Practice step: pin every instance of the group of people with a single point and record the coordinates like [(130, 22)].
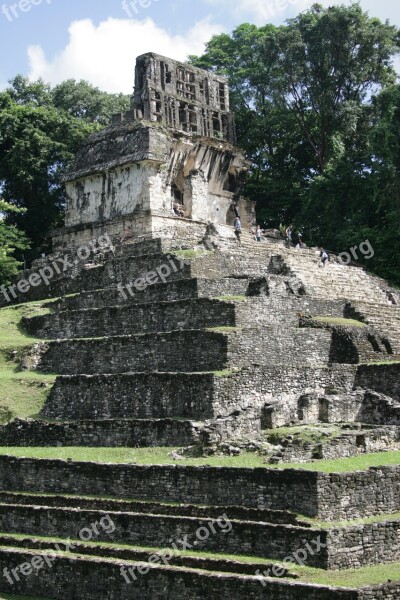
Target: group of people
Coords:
[(291, 239), (298, 243)]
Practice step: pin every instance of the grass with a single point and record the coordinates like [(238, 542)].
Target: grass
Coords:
[(232, 298), (189, 254), (339, 321), (22, 393), (382, 362), (343, 465), (159, 456), (303, 434), (332, 524), (223, 329), (349, 578), (12, 336), (226, 373)]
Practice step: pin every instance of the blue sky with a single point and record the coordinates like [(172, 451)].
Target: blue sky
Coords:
[(98, 40)]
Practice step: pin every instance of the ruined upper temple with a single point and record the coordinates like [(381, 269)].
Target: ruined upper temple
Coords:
[(168, 167), (183, 97)]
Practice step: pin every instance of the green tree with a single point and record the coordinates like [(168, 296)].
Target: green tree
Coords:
[(11, 239), (40, 132), (83, 101), (326, 63), (315, 102)]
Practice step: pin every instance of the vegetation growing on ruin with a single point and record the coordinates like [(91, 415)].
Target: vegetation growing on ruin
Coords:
[(340, 321), (303, 434), (232, 298), (161, 456), (22, 393), (348, 578), (190, 254)]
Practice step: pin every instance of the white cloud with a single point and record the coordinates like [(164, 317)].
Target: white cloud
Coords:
[(105, 54), (263, 11)]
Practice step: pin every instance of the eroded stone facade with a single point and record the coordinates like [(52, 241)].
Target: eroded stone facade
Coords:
[(169, 162)]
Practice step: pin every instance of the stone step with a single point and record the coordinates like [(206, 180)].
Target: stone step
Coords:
[(138, 554), (182, 351), (197, 396), (201, 313), (88, 577), (139, 318), (186, 289), (132, 396), (131, 433), (326, 496), (335, 280), (222, 534), (111, 272), (348, 546), (241, 513)]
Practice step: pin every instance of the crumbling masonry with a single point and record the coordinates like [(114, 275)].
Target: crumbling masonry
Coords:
[(215, 349)]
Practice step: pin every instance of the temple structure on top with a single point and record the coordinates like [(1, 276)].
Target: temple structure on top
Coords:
[(183, 98), (168, 167)]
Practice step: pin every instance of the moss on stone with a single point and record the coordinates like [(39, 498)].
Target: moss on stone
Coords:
[(339, 321)]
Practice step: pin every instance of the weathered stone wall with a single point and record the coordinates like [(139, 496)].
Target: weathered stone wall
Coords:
[(338, 548), (380, 378), (364, 544), (345, 496), (350, 443), (141, 395), (165, 316), (114, 321), (251, 538), (144, 227), (210, 351), (195, 395), (100, 433), (339, 496), (262, 488), (239, 513), (388, 591), (87, 579), (92, 199), (351, 344), (161, 292), (79, 277)]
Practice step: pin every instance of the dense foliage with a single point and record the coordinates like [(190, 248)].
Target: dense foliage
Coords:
[(40, 131), (318, 112), (317, 109), (10, 240)]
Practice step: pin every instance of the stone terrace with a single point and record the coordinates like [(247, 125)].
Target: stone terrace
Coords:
[(228, 346)]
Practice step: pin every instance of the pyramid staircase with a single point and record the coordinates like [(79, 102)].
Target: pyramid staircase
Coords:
[(189, 360)]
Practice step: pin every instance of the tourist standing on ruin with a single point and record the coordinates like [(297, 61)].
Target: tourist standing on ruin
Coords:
[(323, 256), (289, 233), (238, 228), (258, 234), (300, 242)]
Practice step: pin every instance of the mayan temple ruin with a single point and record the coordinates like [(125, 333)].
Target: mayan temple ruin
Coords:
[(166, 333)]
